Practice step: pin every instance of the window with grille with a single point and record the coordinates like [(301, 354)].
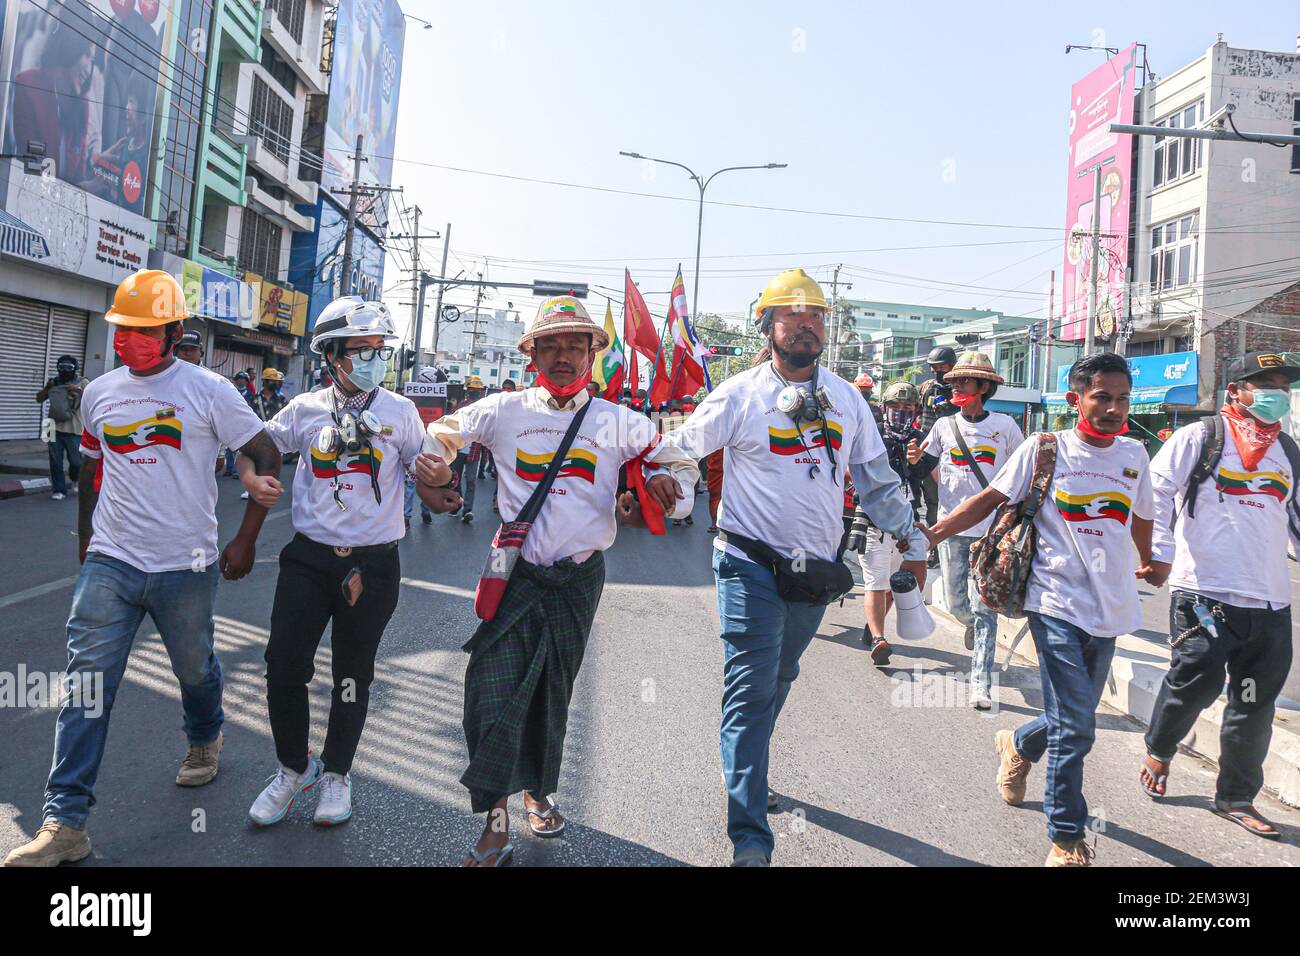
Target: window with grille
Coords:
[(1175, 157), (271, 119), (280, 71), (259, 245), (290, 13)]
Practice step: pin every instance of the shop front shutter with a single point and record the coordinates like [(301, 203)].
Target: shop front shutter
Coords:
[(23, 363)]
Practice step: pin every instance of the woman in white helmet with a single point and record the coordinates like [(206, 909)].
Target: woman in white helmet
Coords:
[(357, 442)]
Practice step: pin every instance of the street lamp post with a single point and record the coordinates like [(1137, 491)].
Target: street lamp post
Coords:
[(702, 184)]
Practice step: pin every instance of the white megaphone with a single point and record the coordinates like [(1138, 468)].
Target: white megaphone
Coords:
[(914, 622)]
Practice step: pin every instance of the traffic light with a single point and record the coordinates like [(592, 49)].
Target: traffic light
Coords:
[(576, 289), (721, 351)]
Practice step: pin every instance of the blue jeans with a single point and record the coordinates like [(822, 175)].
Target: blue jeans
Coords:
[(763, 637), (466, 472), (64, 444), (110, 601), (231, 471), (1073, 666), (965, 604), (408, 504)]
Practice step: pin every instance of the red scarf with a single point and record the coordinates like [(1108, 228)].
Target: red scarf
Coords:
[(651, 513), (1251, 436), (1085, 426), (562, 393)]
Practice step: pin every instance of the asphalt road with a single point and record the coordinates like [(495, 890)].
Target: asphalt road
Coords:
[(874, 767)]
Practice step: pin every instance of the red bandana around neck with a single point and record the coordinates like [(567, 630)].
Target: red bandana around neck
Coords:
[(562, 393), (1085, 426), (1251, 436)]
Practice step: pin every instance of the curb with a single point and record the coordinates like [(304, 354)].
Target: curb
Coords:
[(16, 487), (1135, 676)]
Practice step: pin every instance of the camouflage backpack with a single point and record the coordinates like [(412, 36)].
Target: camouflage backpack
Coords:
[(1000, 560)]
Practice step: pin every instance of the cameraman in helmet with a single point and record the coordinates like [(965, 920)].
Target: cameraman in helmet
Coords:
[(357, 442)]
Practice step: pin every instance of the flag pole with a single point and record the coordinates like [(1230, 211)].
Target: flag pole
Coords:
[(655, 367)]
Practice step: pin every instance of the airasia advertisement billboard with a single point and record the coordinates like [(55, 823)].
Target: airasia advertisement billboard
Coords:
[(83, 81), (1104, 96)]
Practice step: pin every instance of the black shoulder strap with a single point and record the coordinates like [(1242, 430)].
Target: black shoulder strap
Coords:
[(534, 504), (1292, 451), (1211, 452), (961, 444)]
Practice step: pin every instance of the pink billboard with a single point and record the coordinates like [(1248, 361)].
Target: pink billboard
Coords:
[(1102, 97)]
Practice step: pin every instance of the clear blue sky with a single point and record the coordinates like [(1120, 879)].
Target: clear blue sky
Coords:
[(920, 111)]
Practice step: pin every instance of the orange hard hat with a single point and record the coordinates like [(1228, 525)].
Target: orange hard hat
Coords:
[(147, 299), (864, 381)]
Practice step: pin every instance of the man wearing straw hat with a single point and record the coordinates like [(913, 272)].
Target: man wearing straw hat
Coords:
[(537, 613), (965, 451)]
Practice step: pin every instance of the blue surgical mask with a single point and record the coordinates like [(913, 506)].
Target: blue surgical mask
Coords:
[(368, 375), (1269, 404)]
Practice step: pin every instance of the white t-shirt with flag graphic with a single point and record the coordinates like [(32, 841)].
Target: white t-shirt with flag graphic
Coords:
[(1083, 569), (393, 451), (523, 432), (157, 437), (990, 442), (1234, 549), (769, 492)]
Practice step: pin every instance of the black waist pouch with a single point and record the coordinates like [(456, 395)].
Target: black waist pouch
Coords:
[(805, 580)]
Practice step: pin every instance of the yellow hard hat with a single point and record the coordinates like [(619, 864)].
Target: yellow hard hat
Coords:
[(473, 382), (794, 287), (149, 298), (272, 375)]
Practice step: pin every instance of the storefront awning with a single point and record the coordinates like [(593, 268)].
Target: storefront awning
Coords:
[(19, 239)]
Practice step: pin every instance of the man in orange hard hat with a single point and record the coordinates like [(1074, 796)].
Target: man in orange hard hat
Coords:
[(152, 430)]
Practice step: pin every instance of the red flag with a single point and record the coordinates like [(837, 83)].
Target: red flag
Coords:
[(614, 387), (689, 375), (661, 384), (633, 377), (638, 324)]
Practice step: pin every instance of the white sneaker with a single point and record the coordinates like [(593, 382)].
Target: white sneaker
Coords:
[(334, 803), (274, 802), (58, 496), (980, 699)]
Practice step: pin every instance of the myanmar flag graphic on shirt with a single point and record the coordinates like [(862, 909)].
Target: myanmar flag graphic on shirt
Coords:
[(579, 463), (1270, 483), (984, 454), (1094, 507), (163, 428), (793, 441), (364, 462)]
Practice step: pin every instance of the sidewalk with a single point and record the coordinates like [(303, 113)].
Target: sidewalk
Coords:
[(24, 467), (1135, 675)]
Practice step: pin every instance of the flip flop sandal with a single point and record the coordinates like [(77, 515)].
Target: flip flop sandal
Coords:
[(1239, 816), (503, 855), (546, 815), (1161, 779)]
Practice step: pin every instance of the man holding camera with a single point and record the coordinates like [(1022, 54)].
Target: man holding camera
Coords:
[(790, 429)]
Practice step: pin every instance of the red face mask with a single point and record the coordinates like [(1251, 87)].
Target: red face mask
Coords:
[(564, 392), (138, 352), (1085, 426), (962, 399)]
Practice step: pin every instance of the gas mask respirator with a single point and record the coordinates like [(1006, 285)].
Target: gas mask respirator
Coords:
[(351, 434), (805, 406)]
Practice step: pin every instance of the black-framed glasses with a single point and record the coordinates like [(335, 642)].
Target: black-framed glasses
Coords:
[(367, 352)]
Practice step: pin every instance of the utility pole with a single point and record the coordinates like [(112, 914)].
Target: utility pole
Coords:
[(354, 193), (417, 288), (837, 319), (437, 312), (478, 319)]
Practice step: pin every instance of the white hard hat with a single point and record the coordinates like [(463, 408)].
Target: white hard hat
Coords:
[(351, 316), (428, 373)]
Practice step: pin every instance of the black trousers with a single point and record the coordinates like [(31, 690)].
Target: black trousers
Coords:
[(1254, 648), (930, 494), (308, 596)]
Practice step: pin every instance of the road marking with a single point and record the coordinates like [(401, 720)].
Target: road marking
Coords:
[(61, 583), (37, 591)]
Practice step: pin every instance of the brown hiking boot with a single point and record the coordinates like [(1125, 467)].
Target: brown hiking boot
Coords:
[(1013, 769), (200, 764), (53, 844), (1071, 853)]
